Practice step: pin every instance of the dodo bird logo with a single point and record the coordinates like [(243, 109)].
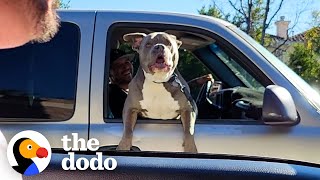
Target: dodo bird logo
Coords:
[(29, 152)]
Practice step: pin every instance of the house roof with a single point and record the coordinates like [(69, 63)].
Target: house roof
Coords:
[(296, 38)]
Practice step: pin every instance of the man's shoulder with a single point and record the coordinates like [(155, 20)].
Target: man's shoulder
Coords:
[(114, 87), (114, 90)]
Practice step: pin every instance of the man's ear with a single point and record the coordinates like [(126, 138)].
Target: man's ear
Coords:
[(134, 39), (111, 75)]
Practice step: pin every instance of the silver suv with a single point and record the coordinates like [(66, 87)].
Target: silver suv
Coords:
[(61, 87)]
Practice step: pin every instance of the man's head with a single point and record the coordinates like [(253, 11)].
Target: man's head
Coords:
[(121, 69), (158, 53), (27, 20)]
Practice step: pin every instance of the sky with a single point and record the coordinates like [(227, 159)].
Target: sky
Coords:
[(289, 8)]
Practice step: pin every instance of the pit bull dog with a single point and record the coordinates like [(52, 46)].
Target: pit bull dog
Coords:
[(158, 91)]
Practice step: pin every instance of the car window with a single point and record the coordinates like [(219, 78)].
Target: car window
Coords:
[(192, 68), (311, 94), (216, 101), (39, 80), (236, 68)]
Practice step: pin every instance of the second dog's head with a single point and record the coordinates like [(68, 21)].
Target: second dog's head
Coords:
[(158, 53)]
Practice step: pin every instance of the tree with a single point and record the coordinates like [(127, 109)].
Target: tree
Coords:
[(313, 39), (315, 18), (252, 16), (61, 4), (313, 35), (255, 16), (305, 62), (305, 59), (213, 11)]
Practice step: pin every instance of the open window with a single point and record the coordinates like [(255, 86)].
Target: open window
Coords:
[(236, 94)]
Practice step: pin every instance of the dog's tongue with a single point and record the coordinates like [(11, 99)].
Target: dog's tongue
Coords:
[(160, 63)]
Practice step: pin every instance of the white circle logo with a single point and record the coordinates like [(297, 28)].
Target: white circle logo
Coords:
[(29, 152)]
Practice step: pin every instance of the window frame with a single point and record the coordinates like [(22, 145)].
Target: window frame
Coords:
[(76, 28), (247, 64)]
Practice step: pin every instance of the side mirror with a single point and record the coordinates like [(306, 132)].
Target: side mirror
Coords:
[(278, 107)]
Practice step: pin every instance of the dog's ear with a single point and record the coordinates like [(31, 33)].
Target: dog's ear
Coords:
[(179, 43), (134, 39)]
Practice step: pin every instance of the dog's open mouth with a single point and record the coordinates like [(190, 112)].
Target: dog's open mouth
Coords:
[(160, 64)]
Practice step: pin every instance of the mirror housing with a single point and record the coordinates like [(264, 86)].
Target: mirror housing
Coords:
[(278, 107)]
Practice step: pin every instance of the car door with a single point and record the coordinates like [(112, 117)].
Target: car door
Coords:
[(45, 87), (218, 137)]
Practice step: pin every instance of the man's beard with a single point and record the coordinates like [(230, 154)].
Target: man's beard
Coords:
[(123, 81), (47, 22)]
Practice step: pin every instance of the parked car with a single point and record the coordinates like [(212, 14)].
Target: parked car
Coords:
[(58, 88)]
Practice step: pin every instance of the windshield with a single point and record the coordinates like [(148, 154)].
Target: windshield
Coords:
[(311, 94)]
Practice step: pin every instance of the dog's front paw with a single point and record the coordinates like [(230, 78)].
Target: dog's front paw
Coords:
[(124, 145), (190, 146)]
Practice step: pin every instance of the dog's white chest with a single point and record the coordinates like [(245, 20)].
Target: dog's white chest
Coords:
[(158, 102)]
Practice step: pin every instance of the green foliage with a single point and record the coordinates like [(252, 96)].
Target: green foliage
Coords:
[(313, 39), (305, 62), (128, 50), (190, 67), (126, 47), (61, 4), (305, 59), (212, 10)]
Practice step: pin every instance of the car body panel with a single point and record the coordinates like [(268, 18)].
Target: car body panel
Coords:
[(79, 122), (256, 140)]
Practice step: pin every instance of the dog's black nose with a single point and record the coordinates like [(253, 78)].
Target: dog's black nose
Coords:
[(159, 47)]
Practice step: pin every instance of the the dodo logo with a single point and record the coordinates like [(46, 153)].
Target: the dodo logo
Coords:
[(29, 152)]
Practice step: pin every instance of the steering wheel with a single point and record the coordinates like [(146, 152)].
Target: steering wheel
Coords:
[(202, 96), (207, 108), (207, 91)]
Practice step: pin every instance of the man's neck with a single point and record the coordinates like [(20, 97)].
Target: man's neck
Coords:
[(14, 31), (124, 86)]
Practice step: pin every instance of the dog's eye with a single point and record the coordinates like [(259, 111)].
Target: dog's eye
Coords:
[(148, 45)]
